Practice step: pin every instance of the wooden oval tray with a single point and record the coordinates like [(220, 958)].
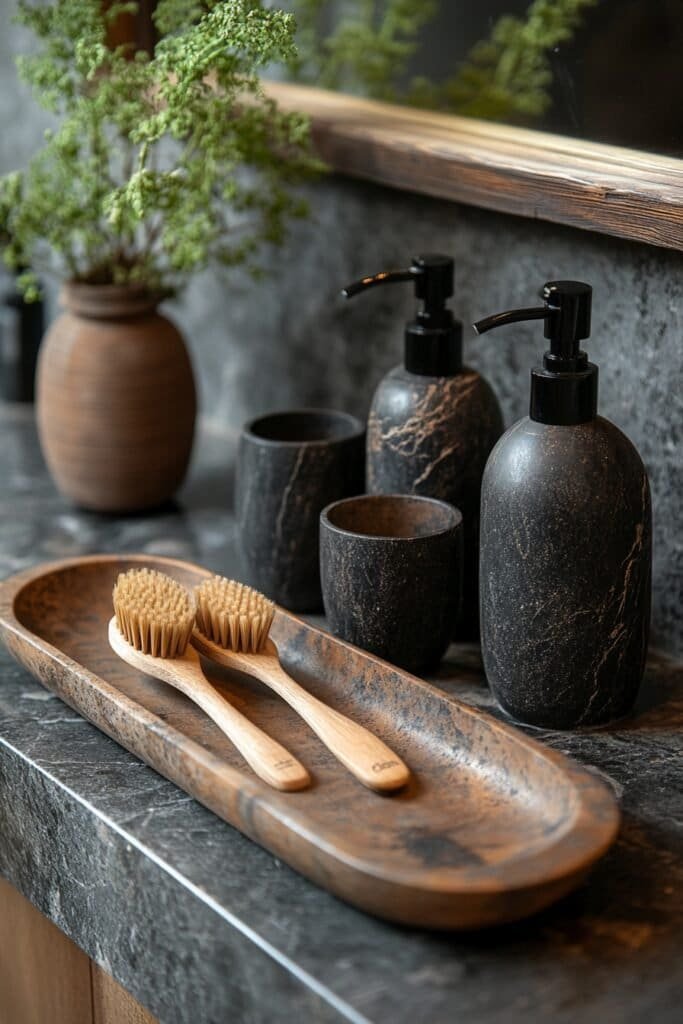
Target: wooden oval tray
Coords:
[(492, 827)]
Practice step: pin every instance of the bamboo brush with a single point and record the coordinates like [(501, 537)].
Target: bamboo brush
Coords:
[(151, 631), (232, 626)]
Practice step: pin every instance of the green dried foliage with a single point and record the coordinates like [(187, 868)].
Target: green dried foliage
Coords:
[(508, 76), (155, 172), (364, 46), (358, 45)]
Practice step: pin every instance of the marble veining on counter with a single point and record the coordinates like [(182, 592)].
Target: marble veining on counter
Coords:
[(203, 926)]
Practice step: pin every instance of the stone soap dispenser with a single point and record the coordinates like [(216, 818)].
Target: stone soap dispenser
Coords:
[(565, 554), (433, 421)]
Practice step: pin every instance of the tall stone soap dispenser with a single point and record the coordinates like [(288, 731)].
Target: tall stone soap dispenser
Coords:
[(565, 540), (433, 421)]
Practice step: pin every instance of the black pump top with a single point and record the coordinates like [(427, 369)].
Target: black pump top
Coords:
[(564, 390), (433, 341)]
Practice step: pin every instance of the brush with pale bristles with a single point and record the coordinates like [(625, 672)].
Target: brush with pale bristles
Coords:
[(232, 627), (151, 631)]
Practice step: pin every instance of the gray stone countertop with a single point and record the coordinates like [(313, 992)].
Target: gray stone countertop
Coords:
[(201, 925)]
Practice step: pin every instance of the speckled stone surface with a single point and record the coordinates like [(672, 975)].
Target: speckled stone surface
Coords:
[(391, 574), (288, 469), (565, 573), (203, 926), (432, 436)]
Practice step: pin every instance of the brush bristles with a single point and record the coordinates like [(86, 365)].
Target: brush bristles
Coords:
[(154, 613), (233, 615)]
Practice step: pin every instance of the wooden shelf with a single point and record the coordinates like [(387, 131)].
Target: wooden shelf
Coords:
[(621, 192)]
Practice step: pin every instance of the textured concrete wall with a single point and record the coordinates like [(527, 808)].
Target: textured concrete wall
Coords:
[(290, 340), (22, 122)]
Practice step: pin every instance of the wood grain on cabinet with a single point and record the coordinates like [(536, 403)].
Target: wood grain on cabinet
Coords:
[(112, 1004), (44, 976), (46, 979)]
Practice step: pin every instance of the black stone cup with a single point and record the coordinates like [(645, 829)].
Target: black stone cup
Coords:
[(391, 571), (289, 466)]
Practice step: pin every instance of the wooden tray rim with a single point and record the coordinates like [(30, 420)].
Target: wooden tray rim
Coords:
[(590, 834)]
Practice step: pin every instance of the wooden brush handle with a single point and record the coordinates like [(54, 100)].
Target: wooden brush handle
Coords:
[(364, 754), (268, 759)]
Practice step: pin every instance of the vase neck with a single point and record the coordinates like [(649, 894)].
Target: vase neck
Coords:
[(108, 301)]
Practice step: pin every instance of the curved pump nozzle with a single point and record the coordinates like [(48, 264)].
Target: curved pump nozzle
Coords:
[(432, 273), (565, 390), (384, 277), (512, 316), (567, 316), (434, 338)]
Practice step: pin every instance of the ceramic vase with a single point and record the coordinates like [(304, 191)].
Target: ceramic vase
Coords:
[(115, 399)]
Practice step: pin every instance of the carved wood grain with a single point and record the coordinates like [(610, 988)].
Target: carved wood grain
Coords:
[(611, 189), (492, 826)]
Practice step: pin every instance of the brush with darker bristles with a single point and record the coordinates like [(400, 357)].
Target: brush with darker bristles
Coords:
[(151, 630), (233, 623)]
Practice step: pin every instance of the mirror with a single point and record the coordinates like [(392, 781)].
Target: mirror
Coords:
[(607, 71), (559, 104)]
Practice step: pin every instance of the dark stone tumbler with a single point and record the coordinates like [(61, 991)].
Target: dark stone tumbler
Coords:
[(291, 465), (391, 570)]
